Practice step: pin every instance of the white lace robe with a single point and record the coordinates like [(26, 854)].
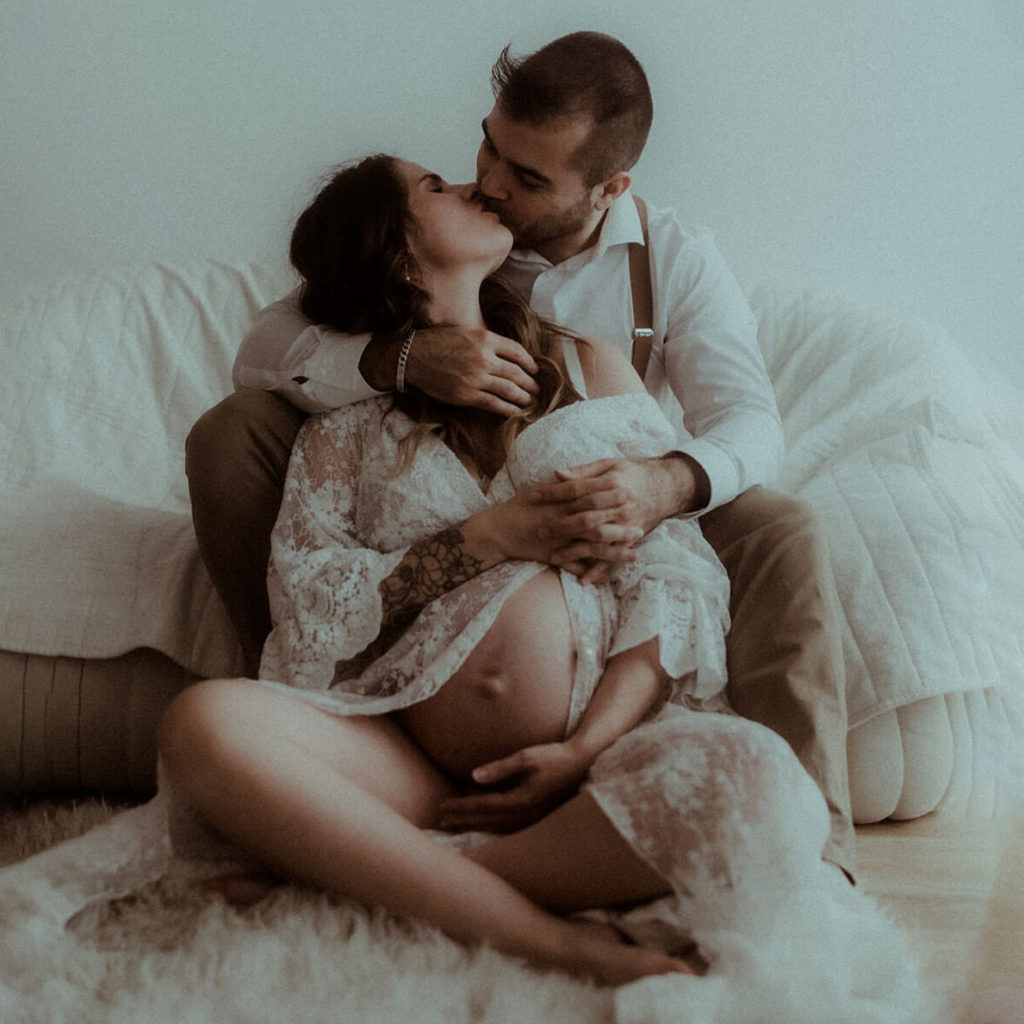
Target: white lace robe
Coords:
[(718, 805), (348, 518)]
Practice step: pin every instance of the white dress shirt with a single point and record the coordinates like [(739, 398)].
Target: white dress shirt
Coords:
[(706, 369)]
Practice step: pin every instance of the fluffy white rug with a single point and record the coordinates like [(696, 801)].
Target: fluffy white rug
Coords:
[(173, 953)]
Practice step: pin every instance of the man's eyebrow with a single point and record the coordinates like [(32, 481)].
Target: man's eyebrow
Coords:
[(530, 172)]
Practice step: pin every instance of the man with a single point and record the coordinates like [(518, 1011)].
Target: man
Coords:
[(568, 124)]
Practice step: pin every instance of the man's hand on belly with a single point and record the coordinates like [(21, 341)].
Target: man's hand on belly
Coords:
[(527, 785)]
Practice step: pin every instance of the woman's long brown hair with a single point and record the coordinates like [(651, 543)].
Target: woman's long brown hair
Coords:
[(358, 275)]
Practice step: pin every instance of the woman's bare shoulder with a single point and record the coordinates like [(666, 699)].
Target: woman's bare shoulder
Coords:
[(606, 370)]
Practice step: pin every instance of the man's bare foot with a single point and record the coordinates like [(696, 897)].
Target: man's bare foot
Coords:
[(601, 952), (243, 888)]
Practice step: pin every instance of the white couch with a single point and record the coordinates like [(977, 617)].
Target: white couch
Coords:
[(106, 610)]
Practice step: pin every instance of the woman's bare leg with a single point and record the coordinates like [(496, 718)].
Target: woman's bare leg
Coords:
[(340, 803), (572, 859)]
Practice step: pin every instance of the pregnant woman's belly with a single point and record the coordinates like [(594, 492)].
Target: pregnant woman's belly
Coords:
[(512, 691)]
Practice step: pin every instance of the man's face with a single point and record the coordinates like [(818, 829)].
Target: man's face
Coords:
[(525, 176)]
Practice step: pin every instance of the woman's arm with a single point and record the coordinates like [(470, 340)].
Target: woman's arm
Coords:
[(631, 683), (333, 598), (547, 774), (432, 567), (446, 560)]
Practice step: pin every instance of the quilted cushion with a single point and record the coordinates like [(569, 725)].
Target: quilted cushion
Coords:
[(891, 437)]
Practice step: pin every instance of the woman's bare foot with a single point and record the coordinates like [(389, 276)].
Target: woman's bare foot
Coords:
[(243, 888), (601, 952), (587, 948)]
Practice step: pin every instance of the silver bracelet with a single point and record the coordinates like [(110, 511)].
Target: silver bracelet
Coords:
[(403, 358)]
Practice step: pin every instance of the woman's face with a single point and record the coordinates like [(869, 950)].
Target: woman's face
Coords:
[(453, 228)]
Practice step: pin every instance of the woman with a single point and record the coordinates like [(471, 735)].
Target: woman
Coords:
[(430, 670), (430, 673)]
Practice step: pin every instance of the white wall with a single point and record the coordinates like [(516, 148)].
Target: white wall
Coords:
[(872, 146)]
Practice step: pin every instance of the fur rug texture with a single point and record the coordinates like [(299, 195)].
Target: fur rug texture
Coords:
[(173, 952)]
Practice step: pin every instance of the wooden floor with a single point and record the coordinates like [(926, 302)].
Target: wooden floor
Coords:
[(958, 885)]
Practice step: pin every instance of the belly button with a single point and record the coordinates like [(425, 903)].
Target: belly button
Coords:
[(492, 685)]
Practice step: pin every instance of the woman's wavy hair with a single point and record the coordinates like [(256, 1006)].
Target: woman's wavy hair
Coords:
[(359, 276)]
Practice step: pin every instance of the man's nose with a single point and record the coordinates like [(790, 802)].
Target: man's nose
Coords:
[(492, 183)]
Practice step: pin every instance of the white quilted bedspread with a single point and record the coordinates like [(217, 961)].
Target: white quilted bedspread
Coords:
[(106, 375), (890, 435), (919, 474)]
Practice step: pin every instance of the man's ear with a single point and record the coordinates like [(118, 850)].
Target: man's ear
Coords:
[(608, 191)]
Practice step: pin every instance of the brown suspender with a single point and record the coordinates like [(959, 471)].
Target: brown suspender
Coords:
[(643, 296)]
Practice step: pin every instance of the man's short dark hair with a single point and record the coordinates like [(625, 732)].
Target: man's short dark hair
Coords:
[(579, 75)]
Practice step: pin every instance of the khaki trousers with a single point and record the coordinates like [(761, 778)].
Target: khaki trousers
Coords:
[(784, 655)]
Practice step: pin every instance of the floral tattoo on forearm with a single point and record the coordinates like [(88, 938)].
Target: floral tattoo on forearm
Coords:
[(429, 569)]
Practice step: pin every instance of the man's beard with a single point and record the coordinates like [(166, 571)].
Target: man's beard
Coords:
[(549, 229)]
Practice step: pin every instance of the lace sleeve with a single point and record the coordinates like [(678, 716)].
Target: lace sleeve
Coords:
[(676, 591), (323, 583)]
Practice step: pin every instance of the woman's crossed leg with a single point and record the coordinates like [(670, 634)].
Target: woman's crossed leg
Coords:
[(341, 802)]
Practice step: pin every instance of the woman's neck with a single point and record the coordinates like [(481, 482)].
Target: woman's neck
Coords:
[(455, 299)]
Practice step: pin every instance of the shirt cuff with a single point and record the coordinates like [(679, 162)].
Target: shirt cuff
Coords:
[(721, 473), (319, 372), (332, 362)]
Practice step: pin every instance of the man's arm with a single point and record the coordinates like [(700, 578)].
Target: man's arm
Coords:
[(456, 365), (313, 367), (714, 366), (598, 512), (317, 368)]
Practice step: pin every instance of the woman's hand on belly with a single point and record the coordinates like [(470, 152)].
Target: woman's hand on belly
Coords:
[(532, 782)]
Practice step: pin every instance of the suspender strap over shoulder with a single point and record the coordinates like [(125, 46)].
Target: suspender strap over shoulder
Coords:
[(643, 296)]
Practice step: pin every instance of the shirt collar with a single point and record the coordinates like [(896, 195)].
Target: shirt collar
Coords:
[(621, 226)]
